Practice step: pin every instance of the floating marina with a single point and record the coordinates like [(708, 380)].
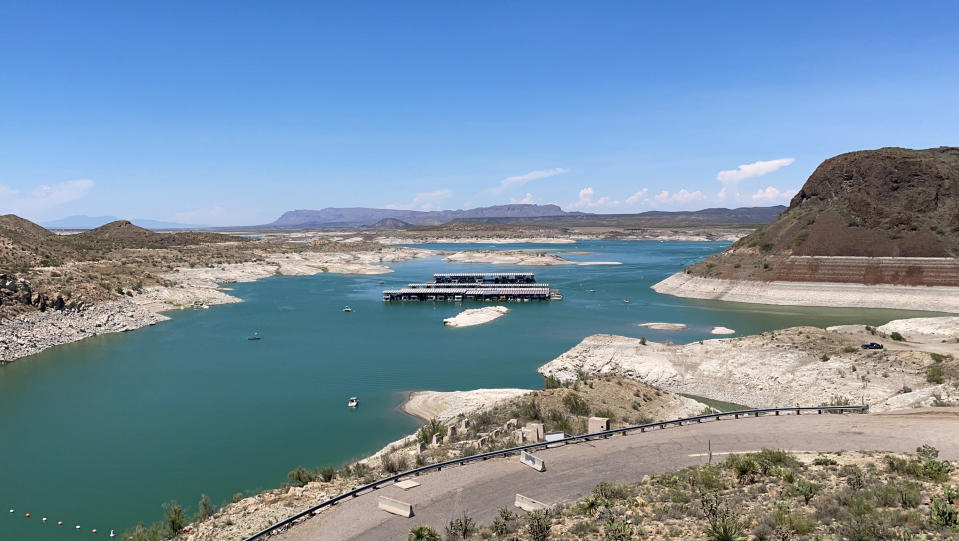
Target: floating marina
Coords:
[(476, 286)]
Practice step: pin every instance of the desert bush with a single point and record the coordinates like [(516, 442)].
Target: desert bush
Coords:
[(327, 473), (552, 382), (204, 508), (426, 432), (611, 492), (538, 525), (300, 476), (393, 463), (941, 513), (575, 404), (824, 461), (896, 336), (617, 530), (934, 374), (175, 518), (460, 528), (423, 533)]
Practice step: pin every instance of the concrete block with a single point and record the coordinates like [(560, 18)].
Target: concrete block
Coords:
[(406, 485), (436, 440), (519, 436), (597, 424), (511, 424), (535, 431), (495, 433), (420, 447), (396, 507), (531, 461), (528, 504), (465, 424)]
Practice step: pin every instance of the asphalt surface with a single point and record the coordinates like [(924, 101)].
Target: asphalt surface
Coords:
[(481, 488)]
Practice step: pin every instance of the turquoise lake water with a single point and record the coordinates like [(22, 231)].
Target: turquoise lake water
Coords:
[(101, 432)]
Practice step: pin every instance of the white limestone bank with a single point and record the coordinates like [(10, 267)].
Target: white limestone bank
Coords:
[(517, 257), (476, 316), (664, 326), (722, 330), (830, 294), (445, 405), (946, 328), (193, 288), (800, 365)]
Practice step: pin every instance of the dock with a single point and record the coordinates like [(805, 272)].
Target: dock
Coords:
[(475, 287)]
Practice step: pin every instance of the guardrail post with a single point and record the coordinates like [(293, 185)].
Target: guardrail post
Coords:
[(777, 413), (642, 429), (737, 416), (798, 411), (757, 414), (820, 411)]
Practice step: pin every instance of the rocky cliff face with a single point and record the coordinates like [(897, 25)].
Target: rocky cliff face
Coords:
[(890, 202), (17, 291)]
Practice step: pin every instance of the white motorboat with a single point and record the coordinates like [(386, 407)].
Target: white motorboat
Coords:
[(353, 402)]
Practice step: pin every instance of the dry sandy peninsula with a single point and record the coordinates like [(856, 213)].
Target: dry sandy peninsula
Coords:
[(445, 405), (476, 316)]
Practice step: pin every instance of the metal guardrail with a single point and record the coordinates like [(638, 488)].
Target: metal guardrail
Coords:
[(572, 439)]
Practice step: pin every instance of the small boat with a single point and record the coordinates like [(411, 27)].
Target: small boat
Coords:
[(626, 301), (353, 402), (382, 282), (591, 291), (347, 309), (254, 336)]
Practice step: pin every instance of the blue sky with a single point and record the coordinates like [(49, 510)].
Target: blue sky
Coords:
[(233, 112)]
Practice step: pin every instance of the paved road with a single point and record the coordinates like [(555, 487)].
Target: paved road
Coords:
[(482, 488)]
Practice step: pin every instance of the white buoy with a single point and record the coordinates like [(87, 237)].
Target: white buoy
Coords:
[(11, 510), (44, 519), (78, 527), (112, 534)]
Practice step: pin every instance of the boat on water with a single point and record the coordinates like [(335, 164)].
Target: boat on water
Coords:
[(353, 402), (591, 291), (254, 336), (626, 301), (347, 309)]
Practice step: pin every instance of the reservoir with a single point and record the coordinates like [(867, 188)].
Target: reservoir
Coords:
[(101, 432)]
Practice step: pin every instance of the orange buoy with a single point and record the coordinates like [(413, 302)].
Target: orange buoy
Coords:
[(94, 530), (59, 523), (28, 515)]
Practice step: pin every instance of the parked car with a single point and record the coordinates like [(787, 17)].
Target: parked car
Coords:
[(872, 345)]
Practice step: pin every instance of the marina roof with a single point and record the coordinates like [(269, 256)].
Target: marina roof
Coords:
[(478, 274), (471, 291), (434, 285)]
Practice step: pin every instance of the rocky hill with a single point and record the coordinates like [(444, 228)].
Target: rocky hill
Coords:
[(890, 202), (390, 223)]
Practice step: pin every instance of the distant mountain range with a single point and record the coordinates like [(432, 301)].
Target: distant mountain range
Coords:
[(90, 222), (360, 216)]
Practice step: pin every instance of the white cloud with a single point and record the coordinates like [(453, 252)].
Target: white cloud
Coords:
[(682, 196), (773, 195), (43, 197), (532, 175), (586, 200), (528, 200), (749, 170), (638, 197)]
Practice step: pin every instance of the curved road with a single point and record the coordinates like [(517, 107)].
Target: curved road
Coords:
[(481, 488)]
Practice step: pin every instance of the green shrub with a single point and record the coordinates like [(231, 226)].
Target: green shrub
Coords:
[(848, 349), (154, 532), (460, 528), (326, 473), (642, 340), (175, 517), (575, 404), (528, 409), (300, 476), (939, 357), (426, 432), (934, 374), (204, 508), (617, 530), (423, 533), (236, 497), (897, 337), (824, 461), (393, 463), (941, 513), (538, 525), (552, 382), (806, 489), (611, 492)]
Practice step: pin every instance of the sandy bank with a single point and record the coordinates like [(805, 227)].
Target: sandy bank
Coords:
[(476, 316), (946, 328), (832, 294), (721, 330), (800, 365), (445, 405), (664, 326), (517, 257), (474, 240)]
